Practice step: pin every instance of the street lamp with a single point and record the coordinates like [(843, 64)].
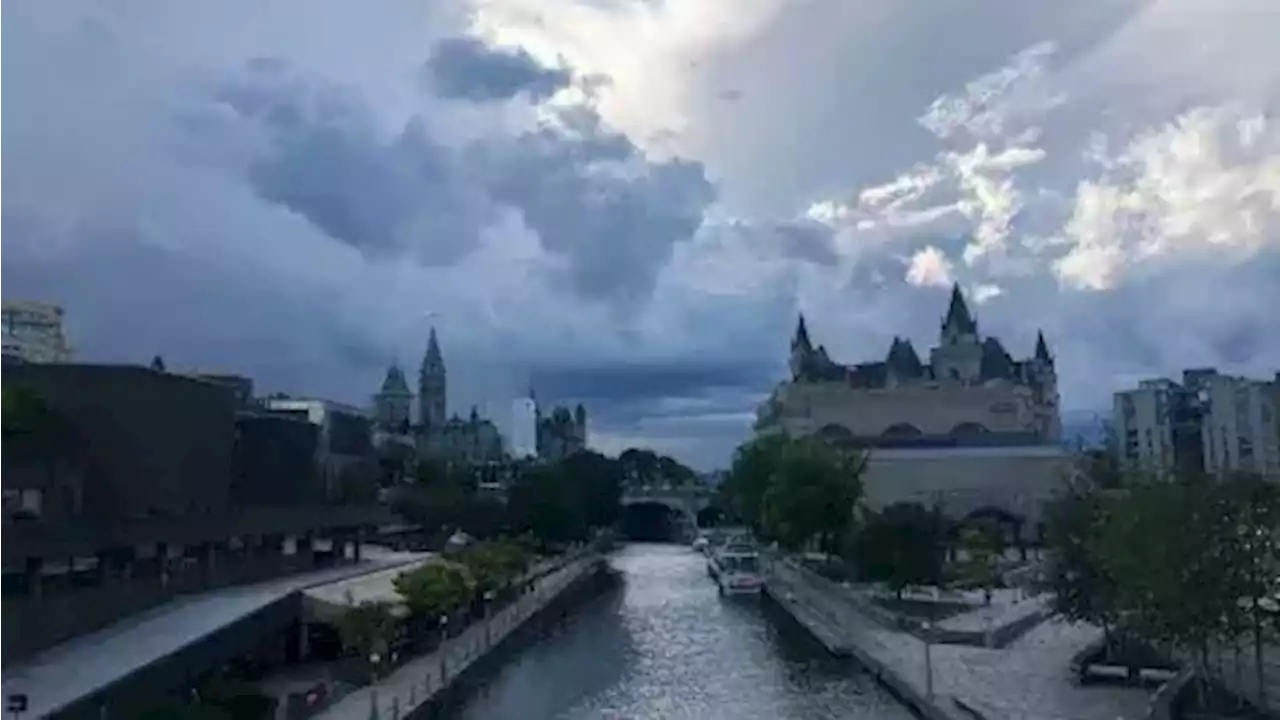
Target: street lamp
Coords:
[(444, 659), (488, 634), (927, 627), (374, 659)]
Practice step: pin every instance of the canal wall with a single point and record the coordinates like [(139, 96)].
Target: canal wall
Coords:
[(428, 686), (787, 587), (595, 579)]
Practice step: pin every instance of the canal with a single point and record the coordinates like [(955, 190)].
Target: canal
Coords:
[(663, 644)]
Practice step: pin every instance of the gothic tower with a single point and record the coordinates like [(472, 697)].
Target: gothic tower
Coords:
[(1044, 377), (432, 387), (958, 356), (393, 405)]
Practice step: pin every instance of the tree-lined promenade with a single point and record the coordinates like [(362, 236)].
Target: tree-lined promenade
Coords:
[(1176, 570)]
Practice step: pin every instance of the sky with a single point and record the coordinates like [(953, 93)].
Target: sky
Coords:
[(627, 202)]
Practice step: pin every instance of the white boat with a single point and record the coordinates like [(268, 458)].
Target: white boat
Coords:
[(736, 569)]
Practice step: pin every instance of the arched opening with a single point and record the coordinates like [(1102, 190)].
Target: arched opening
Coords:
[(654, 522), (710, 516), (969, 429), (902, 430), (837, 435), (1008, 524)]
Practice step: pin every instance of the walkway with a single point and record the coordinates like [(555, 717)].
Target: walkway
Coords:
[(418, 680), (1029, 679), (90, 663)]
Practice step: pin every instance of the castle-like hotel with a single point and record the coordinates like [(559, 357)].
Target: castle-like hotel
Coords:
[(473, 439), (970, 393), (970, 431)]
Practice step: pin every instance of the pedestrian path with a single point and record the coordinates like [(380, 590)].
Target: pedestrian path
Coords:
[(419, 680), (1028, 679), (90, 663)]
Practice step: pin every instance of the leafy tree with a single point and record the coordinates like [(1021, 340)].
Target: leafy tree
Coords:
[(367, 628), (432, 590), (598, 481), (493, 565), (753, 471), (901, 546), (1083, 589), (812, 493), (1253, 552), (545, 504), (984, 546)]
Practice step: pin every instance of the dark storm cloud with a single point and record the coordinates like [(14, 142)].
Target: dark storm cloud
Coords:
[(326, 161), (596, 201), (468, 69), (624, 382)]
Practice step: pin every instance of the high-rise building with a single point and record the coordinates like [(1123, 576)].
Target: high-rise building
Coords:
[(524, 427), (1211, 422), (33, 332)]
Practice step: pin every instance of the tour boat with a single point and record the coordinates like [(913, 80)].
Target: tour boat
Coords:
[(736, 569)]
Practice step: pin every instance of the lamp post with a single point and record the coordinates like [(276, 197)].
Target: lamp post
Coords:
[(928, 660), (488, 627), (374, 659), (444, 657)]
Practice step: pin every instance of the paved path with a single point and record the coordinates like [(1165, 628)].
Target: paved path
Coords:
[(1027, 680), (416, 681), (86, 664)]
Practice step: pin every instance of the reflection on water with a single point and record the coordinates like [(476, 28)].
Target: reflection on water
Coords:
[(665, 645)]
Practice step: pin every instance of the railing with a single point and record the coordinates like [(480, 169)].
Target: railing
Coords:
[(419, 680)]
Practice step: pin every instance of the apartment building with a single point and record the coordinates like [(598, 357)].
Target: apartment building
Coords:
[(1210, 421), (33, 332)]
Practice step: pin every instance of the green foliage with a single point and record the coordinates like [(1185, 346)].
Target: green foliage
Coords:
[(433, 590), (495, 564), (795, 490), (900, 546), (983, 543), (564, 502), (367, 628), (1083, 589)]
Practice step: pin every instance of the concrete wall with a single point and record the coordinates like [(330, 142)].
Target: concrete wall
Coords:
[(1017, 479), (933, 408)]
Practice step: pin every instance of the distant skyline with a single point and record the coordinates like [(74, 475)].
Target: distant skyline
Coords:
[(630, 201)]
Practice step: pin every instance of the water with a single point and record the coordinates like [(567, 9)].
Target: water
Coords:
[(665, 645)]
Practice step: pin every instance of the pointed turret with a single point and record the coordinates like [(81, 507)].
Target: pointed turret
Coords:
[(1042, 349), (394, 383), (433, 357), (959, 321), (800, 341)]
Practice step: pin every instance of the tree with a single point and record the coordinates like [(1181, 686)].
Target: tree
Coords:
[(984, 545), (598, 481), (545, 504), (750, 477), (432, 590), (812, 493), (1253, 553), (900, 546), (1075, 573), (493, 565), (367, 628)]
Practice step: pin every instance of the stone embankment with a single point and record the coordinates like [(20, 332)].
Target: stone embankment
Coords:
[(423, 685), (1028, 678)]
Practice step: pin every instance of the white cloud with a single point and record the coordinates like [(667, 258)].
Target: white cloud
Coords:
[(929, 267)]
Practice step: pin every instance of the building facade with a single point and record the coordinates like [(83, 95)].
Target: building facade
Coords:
[(524, 427), (970, 393), (1209, 422), (344, 445), (561, 432), (33, 332), (971, 432)]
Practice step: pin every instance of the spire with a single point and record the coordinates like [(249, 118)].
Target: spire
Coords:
[(801, 339), (1042, 348), (958, 319), (394, 383), (433, 357)]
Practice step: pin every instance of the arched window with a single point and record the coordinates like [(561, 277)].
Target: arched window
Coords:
[(969, 429), (902, 430), (838, 435)]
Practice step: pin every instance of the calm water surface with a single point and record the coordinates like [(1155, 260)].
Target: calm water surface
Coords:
[(665, 645)]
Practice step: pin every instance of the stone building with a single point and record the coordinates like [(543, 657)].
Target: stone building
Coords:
[(561, 433), (972, 430), (971, 392)]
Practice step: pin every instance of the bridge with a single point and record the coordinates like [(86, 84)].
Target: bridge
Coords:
[(686, 500)]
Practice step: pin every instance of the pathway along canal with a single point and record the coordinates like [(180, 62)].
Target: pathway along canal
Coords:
[(663, 644)]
